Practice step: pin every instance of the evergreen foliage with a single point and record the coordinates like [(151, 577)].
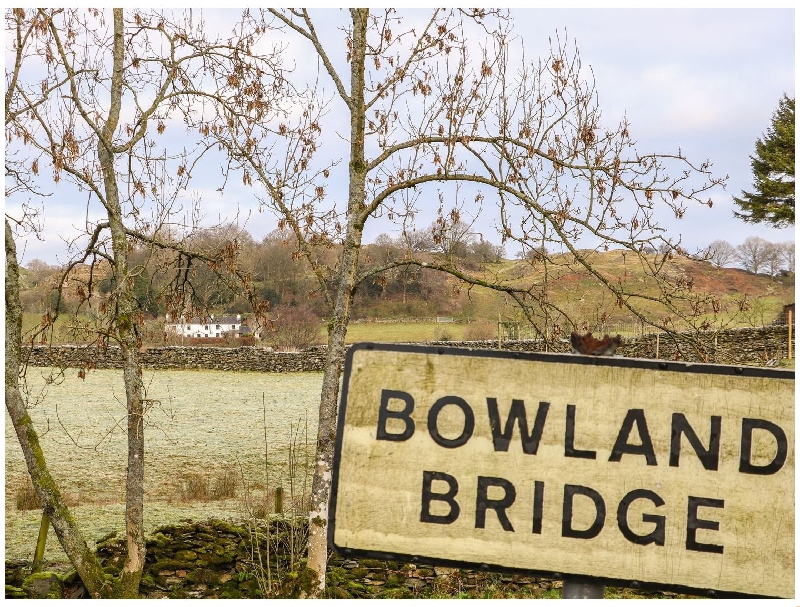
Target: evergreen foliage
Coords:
[(773, 172)]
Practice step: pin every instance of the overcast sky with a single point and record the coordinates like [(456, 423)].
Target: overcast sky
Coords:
[(703, 80)]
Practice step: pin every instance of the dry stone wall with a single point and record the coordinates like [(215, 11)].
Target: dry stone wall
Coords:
[(220, 559), (247, 358), (750, 346), (754, 347)]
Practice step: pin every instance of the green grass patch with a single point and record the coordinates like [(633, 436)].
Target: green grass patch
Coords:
[(405, 332)]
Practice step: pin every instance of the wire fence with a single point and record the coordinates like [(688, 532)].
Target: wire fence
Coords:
[(512, 330), (519, 330)]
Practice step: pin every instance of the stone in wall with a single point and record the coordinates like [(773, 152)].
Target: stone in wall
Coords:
[(753, 346)]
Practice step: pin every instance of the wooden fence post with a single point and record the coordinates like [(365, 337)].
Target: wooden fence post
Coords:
[(789, 322), (38, 556)]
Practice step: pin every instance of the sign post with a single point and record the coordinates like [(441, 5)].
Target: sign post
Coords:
[(672, 476)]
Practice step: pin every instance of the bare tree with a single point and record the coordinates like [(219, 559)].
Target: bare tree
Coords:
[(753, 253), (103, 89), (293, 327), (433, 117), (277, 266), (772, 258), (786, 251), (19, 182), (487, 252), (720, 253)]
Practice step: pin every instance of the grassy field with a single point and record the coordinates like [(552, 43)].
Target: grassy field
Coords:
[(405, 332), (202, 424)]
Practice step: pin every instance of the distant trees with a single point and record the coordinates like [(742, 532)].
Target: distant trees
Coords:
[(534, 253), (277, 268), (786, 252), (487, 252), (773, 259), (754, 255), (721, 253), (773, 172)]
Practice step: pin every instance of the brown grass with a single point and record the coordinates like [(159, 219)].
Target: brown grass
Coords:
[(25, 498), (205, 487)]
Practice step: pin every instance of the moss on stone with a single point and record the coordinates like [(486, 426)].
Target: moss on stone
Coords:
[(167, 565), (356, 589), (43, 585), (394, 581), (335, 576), (68, 577), (250, 588), (396, 593), (13, 592), (337, 593), (158, 540), (209, 577), (185, 555), (230, 593), (209, 558)]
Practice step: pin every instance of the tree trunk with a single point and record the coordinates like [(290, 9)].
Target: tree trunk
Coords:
[(326, 434), (126, 334), (68, 533)]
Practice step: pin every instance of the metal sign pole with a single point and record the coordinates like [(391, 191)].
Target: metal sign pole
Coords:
[(577, 588)]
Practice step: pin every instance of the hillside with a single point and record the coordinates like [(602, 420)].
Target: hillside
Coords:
[(752, 299), (745, 299)]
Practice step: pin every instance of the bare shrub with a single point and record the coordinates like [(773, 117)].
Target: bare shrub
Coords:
[(442, 334), (198, 487), (279, 544), (225, 484), (193, 488), (481, 330), (294, 327)]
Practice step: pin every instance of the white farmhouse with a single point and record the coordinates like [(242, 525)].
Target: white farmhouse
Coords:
[(223, 326)]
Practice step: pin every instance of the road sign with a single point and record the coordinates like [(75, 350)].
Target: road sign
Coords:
[(635, 472)]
